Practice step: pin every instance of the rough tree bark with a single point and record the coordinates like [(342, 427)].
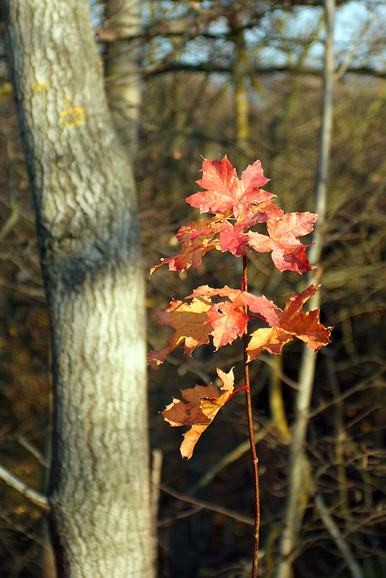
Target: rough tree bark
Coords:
[(87, 229), (122, 68)]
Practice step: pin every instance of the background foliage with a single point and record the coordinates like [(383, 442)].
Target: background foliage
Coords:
[(190, 57)]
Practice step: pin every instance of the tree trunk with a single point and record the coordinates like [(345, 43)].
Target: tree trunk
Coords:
[(122, 68), (299, 475), (87, 228)]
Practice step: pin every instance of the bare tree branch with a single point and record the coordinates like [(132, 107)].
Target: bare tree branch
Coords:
[(202, 505), (298, 489), (32, 495), (336, 535), (211, 67)]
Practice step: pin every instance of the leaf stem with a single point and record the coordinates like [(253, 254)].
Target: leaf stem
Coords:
[(255, 463), (257, 317), (236, 391)]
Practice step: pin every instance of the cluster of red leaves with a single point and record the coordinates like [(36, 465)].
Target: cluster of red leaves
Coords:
[(225, 321), (237, 206)]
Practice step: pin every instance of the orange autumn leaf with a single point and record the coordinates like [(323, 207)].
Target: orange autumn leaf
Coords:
[(291, 322), (271, 339), (189, 322), (201, 405)]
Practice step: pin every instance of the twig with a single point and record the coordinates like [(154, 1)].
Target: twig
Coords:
[(32, 495), (278, 371), (156, 474), (357, 387), (334, 531), (10, 223), (276, 401), (207, 506), (350, 57), (23, 531), (34, 451), (225, 461)]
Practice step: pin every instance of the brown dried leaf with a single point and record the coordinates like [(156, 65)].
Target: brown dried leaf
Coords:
[(201, 407)]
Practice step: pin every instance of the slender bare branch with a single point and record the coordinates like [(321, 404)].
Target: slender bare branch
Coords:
[(298, 490), (208, 506), (225, 461), (33, 451), (336, 535), (32, 495), (212, 67)]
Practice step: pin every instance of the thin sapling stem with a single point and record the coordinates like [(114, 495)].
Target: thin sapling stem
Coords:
[(255, 463)]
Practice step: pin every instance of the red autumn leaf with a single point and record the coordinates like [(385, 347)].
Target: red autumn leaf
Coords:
[(251, 214), (189, 322), (288, 253), (201, 407), (233, 239), (291, 322), (224, 191), (229, 318), (225, 321), (196, 239), (260, 305)]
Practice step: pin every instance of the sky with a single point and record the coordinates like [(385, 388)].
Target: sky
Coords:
[(360, 24)]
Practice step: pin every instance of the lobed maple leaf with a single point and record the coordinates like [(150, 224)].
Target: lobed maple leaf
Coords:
[(245, 204), (189, 322), (224, 321), (291, 322), (229, 318), (201, 405), (233, 239), (260, 305), (224, 191), (288, 253)]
